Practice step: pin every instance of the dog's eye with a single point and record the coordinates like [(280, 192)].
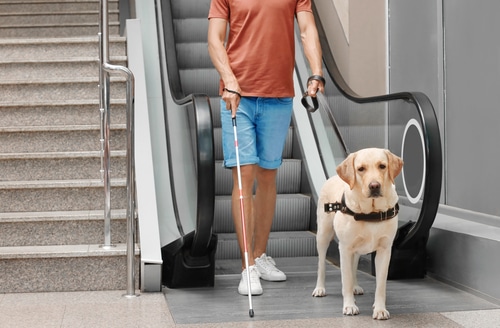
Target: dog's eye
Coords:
[(361, 169), (382, 166)]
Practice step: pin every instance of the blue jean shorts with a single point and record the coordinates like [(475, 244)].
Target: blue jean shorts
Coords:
[(262, 125)]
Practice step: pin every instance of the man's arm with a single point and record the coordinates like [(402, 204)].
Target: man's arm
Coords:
[(218, 55), (312, 49)]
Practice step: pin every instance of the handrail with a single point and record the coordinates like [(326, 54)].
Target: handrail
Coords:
[(433, 152), (105, 68), (205, 159)]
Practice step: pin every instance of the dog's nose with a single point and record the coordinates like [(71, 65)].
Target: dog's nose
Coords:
[(374, 186), (374, 189)]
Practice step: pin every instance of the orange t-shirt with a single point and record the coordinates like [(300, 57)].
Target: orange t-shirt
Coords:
[(260, 45)]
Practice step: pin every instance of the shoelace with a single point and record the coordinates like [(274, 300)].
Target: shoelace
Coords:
[(270, 259), (269, 264), (253, 271)]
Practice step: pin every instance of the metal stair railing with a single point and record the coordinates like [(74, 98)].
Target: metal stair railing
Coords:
[(105, 68)]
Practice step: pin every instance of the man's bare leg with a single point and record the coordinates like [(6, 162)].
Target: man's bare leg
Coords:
[(247, 181), (264, 208)]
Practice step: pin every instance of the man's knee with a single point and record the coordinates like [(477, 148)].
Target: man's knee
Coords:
[(266, 175)]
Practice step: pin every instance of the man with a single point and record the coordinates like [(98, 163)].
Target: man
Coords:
[(256, 69)]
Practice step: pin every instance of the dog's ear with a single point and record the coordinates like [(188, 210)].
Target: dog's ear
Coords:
[(395, 165), (346, 171)]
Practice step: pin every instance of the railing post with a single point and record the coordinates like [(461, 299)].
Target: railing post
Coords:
[(104, 69)]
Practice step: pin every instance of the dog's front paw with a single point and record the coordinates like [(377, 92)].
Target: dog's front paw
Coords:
[(381, 314), (319, 292), (358, 290), (351, 310)]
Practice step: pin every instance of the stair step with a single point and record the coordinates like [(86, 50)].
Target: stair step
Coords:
[(30, 269), (288, 179), (28, 70), (63, 30), (53, 48), (63, 165), (280, 244), (60, 228), (50, 113), (58, 138), (53, 6), (292, 213), (59, 195), (58, 89), (48, 17)]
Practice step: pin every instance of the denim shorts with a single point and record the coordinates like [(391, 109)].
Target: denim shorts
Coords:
[(262, 126)]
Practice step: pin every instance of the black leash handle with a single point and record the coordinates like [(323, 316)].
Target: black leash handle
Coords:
[(308, 107), (314, 100)]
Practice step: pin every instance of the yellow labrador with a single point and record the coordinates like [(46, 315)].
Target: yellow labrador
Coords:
[(359, 204)]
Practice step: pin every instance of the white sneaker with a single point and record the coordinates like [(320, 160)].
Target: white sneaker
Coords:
[(267, 269), (255, 285)]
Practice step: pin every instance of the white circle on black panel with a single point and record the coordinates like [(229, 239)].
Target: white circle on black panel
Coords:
[(413, 155)]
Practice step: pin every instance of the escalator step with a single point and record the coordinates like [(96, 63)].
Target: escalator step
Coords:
[(205, 81), (190, 8), (288, 178), (193, 55), (280, 244), (292, 213), (190, 30)]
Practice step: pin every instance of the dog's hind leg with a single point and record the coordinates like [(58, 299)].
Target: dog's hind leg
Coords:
[(324, 236), (357, 288)]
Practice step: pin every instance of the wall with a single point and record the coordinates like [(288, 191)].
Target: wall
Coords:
[(472, 56), (445, 49), (357, 33)]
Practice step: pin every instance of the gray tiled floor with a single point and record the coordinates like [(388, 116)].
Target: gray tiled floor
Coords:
[(417, 303)]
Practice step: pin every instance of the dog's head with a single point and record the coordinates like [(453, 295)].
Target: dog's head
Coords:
[(372, 170)]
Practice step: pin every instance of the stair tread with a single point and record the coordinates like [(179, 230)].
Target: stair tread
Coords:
[(59, 40), (59, 155), (82, 183), (59, 251), (79, 79), (58, 103), (59, 215), (41, 128), (44, 13), (58, 60), (55, 24)]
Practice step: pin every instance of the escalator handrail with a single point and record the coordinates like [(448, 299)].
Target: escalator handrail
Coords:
[(205, 159), (431, 134)]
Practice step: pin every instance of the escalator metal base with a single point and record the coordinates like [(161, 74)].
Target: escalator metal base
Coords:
[(410, 263), (182, 270)]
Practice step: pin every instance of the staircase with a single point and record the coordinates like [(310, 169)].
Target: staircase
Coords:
[(51, 193), (290, 235)]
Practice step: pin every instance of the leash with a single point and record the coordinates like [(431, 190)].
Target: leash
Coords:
[(370, 217), (315, 105)]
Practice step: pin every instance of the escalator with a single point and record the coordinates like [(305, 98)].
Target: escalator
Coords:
[(201, 187)]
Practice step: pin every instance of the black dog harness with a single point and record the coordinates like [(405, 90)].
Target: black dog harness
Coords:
[(370, 217)]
